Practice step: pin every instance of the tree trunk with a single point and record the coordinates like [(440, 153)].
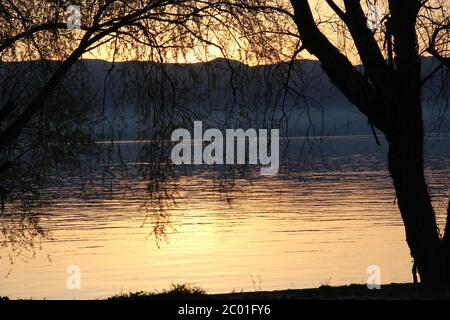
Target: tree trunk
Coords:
[(389, 94), (407, 171), (406, 142)]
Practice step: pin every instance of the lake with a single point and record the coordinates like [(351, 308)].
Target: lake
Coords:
[(328, 215)]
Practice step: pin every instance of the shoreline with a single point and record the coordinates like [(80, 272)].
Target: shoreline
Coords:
[(394, 291)]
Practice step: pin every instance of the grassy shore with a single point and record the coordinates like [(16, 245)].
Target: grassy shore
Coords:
[(351, 292)]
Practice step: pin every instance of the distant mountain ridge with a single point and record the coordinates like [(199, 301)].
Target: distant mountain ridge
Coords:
[(259, 91)]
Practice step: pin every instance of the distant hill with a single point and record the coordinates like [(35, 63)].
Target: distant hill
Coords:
[(208, 91)]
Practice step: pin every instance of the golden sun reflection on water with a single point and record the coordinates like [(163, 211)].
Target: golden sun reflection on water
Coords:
[(301, 230)]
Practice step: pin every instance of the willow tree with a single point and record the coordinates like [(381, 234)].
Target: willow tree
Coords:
[(63, 32), (44, 85), (372, 51), (387, 90)]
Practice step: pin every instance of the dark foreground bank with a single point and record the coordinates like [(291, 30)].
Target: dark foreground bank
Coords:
[(351, 292)]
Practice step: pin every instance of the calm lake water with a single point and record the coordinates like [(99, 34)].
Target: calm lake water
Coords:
[(327, 216)]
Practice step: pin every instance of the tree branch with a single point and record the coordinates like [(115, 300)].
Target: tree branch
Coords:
[(341, 14), (337, 66), (432, 46), (374, 63), (33, 30), (93, 35)]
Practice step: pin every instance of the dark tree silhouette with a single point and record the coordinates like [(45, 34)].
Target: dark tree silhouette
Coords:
[(389, 94), (27, 21), (142, 30), (44, 104)]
